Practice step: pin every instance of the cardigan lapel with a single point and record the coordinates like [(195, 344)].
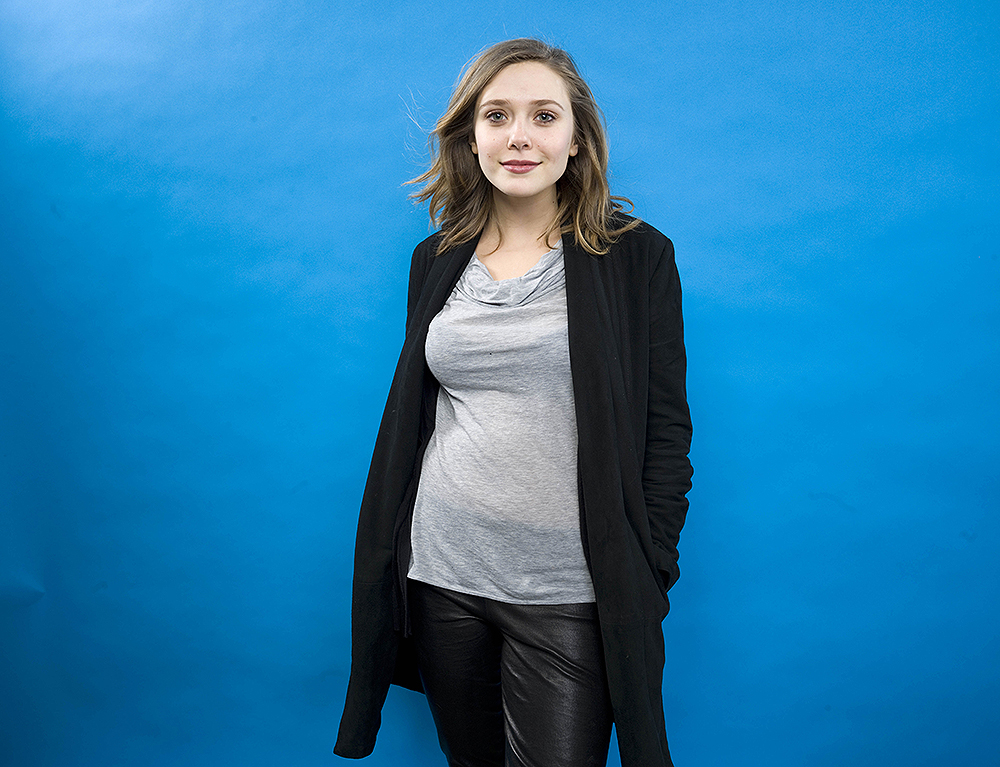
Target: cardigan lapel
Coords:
[(419, 386), (593, 400), (607, 468), (442, 275)]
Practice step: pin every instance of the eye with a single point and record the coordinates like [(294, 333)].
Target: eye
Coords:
[(545, 117), (494, 116)]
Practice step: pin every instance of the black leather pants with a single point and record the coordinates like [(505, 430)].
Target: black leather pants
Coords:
[(512, 685)]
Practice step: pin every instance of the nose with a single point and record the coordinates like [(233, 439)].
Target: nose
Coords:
[(518, 137)]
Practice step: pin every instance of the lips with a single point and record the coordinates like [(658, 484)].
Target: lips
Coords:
[(520, 166)]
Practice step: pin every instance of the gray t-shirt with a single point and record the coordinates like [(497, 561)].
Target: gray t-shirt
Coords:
[(497, 512)]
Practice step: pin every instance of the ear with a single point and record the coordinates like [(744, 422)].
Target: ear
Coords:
[(475, 149), (573, 150)]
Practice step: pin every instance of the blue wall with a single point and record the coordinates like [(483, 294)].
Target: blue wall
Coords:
[(204, 246)]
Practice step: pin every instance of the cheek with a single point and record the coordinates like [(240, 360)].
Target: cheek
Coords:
[(487, 148), (483, 159), (560, 146)]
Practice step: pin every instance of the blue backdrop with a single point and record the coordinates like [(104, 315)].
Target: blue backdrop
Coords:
[(204, 249)]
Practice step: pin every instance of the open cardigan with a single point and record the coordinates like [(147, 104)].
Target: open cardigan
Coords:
[(628, 366)]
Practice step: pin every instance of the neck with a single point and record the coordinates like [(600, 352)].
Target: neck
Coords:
[(520, 223)]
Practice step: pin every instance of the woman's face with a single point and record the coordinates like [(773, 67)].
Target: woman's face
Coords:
[(524, 131)]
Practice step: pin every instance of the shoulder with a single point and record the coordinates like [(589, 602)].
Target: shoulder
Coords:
[(420, 261), (427, 247), (643, 250), (644, 237), (428, 270)]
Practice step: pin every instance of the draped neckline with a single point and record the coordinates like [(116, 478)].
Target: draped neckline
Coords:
[(546, 276)]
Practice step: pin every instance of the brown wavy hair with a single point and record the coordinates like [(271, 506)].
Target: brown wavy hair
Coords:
[(460, 195)]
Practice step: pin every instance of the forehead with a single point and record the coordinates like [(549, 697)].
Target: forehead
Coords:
[(526, 81)]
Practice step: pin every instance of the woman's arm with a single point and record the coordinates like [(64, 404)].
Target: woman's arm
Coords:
[(418, 271), (666, 475)]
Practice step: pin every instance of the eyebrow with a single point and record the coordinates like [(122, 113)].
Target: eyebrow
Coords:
[(505, 102)]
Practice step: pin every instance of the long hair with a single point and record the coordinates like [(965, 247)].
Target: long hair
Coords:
[(460, 195)]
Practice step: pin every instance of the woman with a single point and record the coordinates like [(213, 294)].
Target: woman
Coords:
[(518, 531)]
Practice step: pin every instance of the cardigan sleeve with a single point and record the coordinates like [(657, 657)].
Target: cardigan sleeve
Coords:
[(418, 271), (666, 476)]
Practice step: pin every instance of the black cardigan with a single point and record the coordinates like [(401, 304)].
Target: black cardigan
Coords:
[(628, 365)]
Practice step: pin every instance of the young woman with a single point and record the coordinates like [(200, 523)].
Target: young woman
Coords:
[(518, 531)]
